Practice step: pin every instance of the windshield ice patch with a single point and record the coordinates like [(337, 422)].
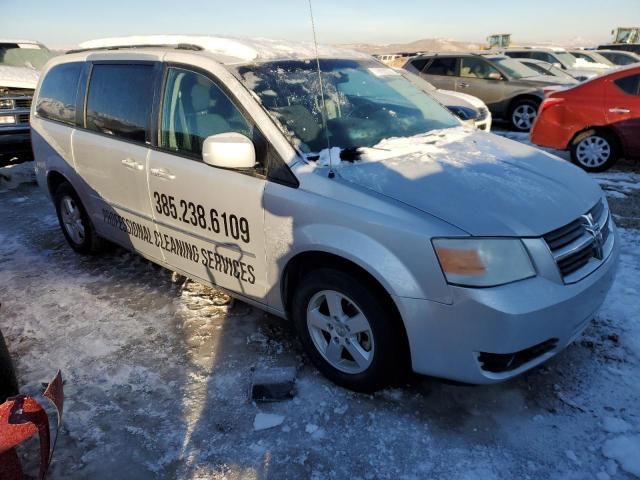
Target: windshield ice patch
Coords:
[(417, 147), (384, 72)]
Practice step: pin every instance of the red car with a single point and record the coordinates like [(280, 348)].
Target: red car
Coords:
[(598, 120)]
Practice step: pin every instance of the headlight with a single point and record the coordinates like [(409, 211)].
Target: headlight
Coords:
[(483, 262), (7, 119), (6, 103), (463, 113)]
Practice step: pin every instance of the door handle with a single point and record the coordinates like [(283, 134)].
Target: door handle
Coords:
[(619, 110), (463, 85), (130, 163), (162, 173)]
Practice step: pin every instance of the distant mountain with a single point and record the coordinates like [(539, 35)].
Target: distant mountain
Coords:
[(446, 45), (424, 45)]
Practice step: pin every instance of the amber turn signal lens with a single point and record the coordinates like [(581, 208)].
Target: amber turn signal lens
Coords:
[(460, 262)]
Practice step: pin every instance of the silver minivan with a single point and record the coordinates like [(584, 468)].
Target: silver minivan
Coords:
[(330, 191)]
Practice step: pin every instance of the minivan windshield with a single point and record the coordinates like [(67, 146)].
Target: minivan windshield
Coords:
[(29, 55), (365, 101), (514, 68)]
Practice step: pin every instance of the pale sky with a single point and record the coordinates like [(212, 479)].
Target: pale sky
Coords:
[(64, 23)]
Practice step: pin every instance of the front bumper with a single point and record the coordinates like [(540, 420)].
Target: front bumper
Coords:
[(447, 340), (15, 143)]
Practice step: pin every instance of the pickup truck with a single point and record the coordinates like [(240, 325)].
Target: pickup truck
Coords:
[(20, 62)]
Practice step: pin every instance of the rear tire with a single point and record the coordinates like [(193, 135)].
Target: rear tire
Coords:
[(523, 113), (348, 331), (75, 222), (595, 150), (8, 382)]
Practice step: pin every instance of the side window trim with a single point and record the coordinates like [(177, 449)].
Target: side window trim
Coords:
[(89, 71)]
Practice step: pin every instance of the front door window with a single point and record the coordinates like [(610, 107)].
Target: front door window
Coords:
[(194, 109)]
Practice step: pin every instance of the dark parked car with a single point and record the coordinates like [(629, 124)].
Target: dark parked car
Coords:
[(624, 47), (511, 90)]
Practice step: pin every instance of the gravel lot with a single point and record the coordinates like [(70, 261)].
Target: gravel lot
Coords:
[(157, 373)]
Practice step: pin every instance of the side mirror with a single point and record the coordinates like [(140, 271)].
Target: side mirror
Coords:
[(557, 65), (495, 76), (229, 150)]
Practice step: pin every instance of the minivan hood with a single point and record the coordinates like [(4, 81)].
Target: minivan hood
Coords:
[(18, 77), (482, 183)]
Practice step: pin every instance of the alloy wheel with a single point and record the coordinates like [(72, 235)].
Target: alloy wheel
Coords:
[(523, 116), (340, 331), (72, 219)]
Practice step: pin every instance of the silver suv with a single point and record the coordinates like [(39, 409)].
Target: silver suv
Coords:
[(512, 91), (391, 235), (558, 57)]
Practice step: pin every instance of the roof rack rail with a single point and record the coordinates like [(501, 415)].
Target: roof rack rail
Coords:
[(178, 46)]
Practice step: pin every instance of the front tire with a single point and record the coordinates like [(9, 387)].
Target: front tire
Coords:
[(75, 222), (523, 113), (595, 150), (347, 330)]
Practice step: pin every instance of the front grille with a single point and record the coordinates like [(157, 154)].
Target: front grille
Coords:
[(580, 242), (24, 102), (505, 362), (19, 107)]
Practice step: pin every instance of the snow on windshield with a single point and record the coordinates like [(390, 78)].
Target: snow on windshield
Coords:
[(364, 103), (13, 55), (417, 147)]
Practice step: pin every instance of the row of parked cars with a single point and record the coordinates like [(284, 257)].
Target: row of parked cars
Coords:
[(509, 85), (570, 100)]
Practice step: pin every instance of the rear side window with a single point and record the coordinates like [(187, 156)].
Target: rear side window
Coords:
[(120, 101), (57, 97), (630, 84), (420, 64), (442, 66)]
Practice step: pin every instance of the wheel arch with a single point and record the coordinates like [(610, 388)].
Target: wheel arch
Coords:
[(598, 128), (523, 96), (307, 261), (54, 180)]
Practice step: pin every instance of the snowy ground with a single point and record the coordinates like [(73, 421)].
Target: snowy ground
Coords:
[(157, 374)]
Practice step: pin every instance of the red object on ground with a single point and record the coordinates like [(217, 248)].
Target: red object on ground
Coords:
[(21, 417), (610, 102)]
